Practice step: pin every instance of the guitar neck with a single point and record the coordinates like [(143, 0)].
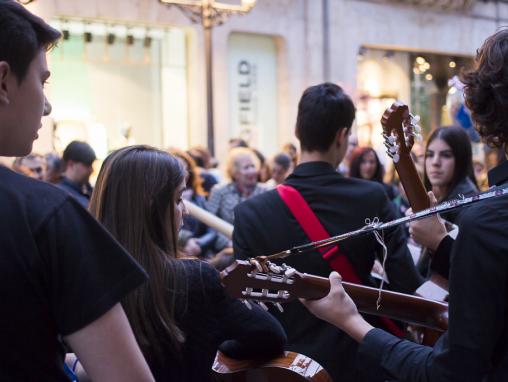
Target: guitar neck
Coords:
[(407, 308), (413, 186)]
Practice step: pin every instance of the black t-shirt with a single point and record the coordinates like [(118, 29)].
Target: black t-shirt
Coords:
[(59, 271)]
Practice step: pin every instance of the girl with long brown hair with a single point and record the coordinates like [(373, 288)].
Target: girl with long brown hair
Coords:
[(182, 315)]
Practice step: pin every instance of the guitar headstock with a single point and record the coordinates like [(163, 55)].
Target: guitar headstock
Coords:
[(400, 129), (269, 283)]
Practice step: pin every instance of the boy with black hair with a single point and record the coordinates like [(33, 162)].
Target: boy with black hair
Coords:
[(61, 274), (266, 225)]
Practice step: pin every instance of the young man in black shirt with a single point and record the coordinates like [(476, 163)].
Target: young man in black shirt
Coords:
[(265, 225), (61, 274), (475, 348), (78, 158)]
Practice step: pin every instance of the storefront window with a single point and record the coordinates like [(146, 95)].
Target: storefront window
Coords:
[(425, 82), (115, 85)]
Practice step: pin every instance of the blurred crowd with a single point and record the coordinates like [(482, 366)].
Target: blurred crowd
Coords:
[(445, 164)]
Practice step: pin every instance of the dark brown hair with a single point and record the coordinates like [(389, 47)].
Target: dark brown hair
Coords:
[(486, 89), (357, 156), (133, 197), (22, 36), (459, 142)]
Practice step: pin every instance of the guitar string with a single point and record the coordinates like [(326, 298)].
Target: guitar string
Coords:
[(381, 240)]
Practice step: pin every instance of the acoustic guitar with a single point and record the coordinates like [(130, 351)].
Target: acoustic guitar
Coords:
[(289, 367), (271, 283)]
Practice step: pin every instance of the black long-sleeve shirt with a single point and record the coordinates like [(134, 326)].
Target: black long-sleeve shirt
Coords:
[(475, 348), (210, 320)]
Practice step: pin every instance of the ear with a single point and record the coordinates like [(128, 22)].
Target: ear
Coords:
[(341, 136), (5, 73)]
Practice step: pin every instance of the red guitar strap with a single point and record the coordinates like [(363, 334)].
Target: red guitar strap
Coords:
[(315, 232)]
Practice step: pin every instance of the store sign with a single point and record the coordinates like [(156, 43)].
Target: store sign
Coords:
[(253, 90), (247, 85)]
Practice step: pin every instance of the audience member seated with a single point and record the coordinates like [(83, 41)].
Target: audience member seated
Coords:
[(78, 157), (182, 315)]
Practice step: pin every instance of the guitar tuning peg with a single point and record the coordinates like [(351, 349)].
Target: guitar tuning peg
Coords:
[(415, 118), (417, 129), (396, 158), (263, 305), (247, 304), (290, 272), (394, 149), (419, 137), (274, 268), (257, 265), (279, 307), (389, 139)]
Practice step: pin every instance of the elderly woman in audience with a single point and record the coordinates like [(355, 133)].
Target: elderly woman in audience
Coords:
[(242, 169), (182, 314)]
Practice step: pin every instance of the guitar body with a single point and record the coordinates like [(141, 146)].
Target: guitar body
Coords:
[(289, 367)]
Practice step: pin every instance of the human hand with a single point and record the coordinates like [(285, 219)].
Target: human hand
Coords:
[(338, 309), (223, 259), (429, 231)]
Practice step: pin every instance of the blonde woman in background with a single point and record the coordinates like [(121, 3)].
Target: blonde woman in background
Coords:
[(242, 168)]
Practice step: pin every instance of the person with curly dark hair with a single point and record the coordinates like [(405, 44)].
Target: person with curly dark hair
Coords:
[(475, 348)]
